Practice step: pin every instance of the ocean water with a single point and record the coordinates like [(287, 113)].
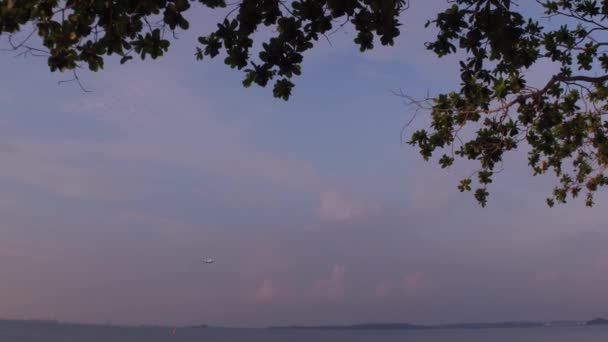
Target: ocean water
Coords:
[(59, 333)]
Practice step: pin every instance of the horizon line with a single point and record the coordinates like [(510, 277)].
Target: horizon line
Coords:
[(290, 326)]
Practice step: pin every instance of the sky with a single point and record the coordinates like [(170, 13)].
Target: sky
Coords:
[(313, 209)]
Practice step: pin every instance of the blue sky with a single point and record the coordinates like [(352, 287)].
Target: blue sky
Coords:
[(313, 209)]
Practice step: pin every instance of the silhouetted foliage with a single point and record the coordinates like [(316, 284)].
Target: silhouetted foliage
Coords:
[(77, 32), (561, 120)]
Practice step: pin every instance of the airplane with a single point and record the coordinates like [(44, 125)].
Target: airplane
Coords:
[(208, 261)]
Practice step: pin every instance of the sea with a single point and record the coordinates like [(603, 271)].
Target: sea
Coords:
[(75, 333)]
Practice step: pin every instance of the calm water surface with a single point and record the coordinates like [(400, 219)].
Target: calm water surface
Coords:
[(104, 334)]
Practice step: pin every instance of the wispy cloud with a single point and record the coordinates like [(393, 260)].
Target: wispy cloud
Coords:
[(266, 290), (335, 207), (415, 283), (332, 287), (384, 288)]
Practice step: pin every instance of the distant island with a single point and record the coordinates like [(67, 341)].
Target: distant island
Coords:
[(370, 326), (41, 322), (405, 326), (55, 324), (597, 321)]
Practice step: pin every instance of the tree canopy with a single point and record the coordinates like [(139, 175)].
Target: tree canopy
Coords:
[(76, 32), (560, 121)]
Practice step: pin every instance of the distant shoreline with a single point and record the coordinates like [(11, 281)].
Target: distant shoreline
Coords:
[(457, 326), (397, 326), (112, 325), (367, 326)]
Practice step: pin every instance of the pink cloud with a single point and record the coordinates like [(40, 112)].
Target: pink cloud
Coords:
[(546, 277), (9, 201), (602, 264), (9, 252), (384, 288), (332, 287), (266, 290), (601, 271), (334, 207), (415, 284)]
